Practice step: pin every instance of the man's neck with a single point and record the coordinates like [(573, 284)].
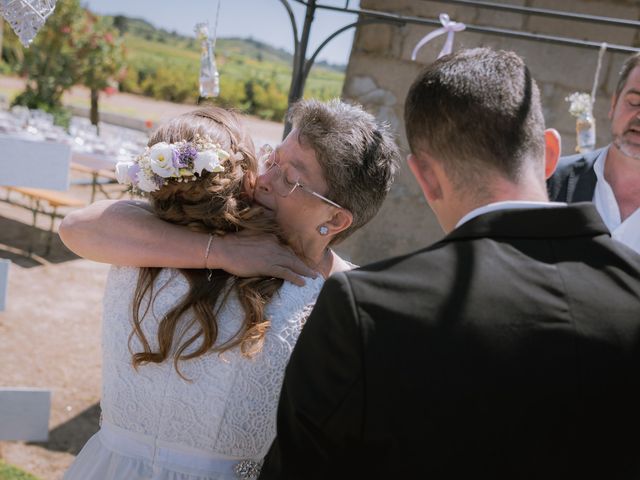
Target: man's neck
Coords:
[(622, 173), (501, 191)]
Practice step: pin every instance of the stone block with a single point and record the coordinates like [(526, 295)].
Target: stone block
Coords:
[(586, 30), (380, 85), (24, 414), (501, 18), (405, 223), (375, 38)]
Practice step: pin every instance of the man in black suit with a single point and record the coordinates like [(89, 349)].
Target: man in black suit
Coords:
[(507, 350), (610, 176)]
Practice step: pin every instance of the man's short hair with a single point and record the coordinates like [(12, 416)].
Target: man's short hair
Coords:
[(630, 63), (358, 155), (477, 111)]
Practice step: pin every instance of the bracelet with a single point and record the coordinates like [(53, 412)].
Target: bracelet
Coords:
[(206, 255)]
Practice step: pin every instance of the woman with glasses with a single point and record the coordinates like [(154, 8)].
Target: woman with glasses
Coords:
[(197, 413)]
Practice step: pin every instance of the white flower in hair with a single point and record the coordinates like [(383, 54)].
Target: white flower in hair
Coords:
[(147, 182), (124, 172), (161, 160), (208, 160)]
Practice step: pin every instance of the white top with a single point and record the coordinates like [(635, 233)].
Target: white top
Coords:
[(226, 412), (627, 232), (507, 205)]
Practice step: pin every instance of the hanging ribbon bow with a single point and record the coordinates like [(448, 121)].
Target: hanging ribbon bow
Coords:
[(449, 27)]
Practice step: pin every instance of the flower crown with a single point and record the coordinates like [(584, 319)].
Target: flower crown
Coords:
[(163, 162)]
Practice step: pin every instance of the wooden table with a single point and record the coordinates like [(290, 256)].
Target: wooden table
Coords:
[(100, 168), (45, 202)]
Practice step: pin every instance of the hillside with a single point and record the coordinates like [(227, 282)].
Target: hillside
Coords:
[(248, 47), (254, 77)]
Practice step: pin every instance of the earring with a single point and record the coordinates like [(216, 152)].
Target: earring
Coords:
[(323, 229)]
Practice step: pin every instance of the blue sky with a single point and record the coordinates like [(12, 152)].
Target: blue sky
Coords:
[(264, 20)]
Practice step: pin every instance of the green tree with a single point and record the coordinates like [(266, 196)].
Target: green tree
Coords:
[(232, 93), (12, 54), (120, 22), (102, 57), (270, 102), (51, 62)]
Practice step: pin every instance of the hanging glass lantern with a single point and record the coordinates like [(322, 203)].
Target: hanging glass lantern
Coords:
[(209, 77), (26, 17)]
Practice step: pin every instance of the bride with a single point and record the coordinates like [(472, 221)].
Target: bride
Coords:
[(193, 358)]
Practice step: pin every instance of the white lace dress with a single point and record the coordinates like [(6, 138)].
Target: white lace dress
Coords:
[(219, 425)]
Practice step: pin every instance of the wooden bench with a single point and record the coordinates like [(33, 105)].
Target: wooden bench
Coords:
[(36, 198), (99, 177)]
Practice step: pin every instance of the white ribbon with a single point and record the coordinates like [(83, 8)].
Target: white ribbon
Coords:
[(449, 27)]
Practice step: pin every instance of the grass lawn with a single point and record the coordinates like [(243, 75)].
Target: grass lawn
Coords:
[(7, 472)]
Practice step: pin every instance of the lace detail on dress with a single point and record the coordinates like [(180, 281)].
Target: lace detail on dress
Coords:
[(229, 406)]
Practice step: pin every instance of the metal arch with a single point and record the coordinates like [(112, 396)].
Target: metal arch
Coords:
[(309, 63), (292, 18)]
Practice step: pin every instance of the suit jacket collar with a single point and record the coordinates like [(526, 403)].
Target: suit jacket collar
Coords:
[(580, 219), (582, 179)]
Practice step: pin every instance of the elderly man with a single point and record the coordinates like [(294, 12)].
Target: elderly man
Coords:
[(508, 350), (610, 176)]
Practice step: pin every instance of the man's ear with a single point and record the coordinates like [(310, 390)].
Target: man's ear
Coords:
[(552, 147), (426, 178)]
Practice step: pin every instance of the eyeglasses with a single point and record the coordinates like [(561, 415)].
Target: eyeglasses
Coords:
[(282, 184)]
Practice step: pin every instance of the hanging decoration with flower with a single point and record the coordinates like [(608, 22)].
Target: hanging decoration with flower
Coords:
[(581, 107), (26, 17), (209, 76)]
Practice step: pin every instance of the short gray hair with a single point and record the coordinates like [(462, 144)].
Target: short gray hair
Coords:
[(358, 156), (630, 63)]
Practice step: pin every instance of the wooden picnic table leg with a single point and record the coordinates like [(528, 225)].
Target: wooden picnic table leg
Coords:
[(53, 218), (34, 212), (94, 185)]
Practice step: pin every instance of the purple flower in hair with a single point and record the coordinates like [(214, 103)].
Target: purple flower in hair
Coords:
[(133, 173), (185, 156), (175, 159)]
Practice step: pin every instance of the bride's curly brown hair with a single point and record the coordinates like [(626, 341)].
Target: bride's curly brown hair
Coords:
[(215, 203)]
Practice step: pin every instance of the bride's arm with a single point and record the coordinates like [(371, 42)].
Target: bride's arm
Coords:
[(128, 233)]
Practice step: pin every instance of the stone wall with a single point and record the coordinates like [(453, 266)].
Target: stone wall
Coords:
[(380, 72)]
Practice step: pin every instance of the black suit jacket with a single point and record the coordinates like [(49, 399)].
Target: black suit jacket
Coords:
[(574, 179), (508, 350)]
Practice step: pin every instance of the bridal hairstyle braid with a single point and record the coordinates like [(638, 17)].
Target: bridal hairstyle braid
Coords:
[(215, 203)]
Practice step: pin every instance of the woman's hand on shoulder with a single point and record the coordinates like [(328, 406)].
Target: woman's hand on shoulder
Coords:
[(247, 254)]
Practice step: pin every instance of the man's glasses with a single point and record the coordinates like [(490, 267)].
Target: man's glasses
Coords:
[(282, 184)]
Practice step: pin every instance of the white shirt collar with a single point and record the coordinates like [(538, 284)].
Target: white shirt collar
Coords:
[(627, 232), (507, 205), (603, 196)]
